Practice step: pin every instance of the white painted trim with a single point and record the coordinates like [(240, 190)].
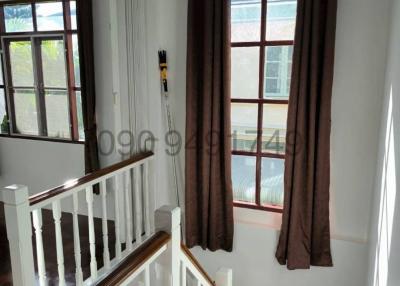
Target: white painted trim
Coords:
[(272, 221), (19, 233), (88, 184), (196, 273)]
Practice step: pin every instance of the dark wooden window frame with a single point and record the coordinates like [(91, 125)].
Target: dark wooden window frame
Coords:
[(66, 34), (260, 101)]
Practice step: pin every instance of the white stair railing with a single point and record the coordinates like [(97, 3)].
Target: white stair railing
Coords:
[(177, 259), (130, 178), (168, 219), (19, 206)]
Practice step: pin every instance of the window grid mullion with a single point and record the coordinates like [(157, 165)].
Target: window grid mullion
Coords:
[(9, 83), (34, 18), (39, 85), (260, 104), (73, 112)]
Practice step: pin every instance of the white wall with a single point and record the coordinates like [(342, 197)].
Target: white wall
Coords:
[(253, 262), (40, 165), (114, 98), (357, 99), (359, 79), (385, 230), (362, 29)]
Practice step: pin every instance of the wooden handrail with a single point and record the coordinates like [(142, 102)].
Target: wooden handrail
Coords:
[(38, 198), (196, 263), (135, 260)]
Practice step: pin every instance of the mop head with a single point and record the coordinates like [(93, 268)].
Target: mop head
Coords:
[(162, 57)]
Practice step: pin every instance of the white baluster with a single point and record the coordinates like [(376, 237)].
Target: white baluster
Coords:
[(37, 224), (117, 219), (77, 242), (147, 276), (138, 208), (59, 243), (146, 198), (92, 239), (183, 273), (198, 283), (128, 211), (106, 252), (224, 277)]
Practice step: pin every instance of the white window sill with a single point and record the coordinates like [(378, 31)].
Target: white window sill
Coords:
[(258, 218)]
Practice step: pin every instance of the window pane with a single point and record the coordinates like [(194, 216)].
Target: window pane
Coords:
[(18, 18), (274, 128), (57, 114), (80, 115), (49, 16), (72, 7), (244, 178), (75, 52), (26, 112), (278, 72), (245, 72), (272, 70), (272, 85), (246, 20), (272, 171), (3, 113), (281, 20), (53, 60), (21, 63), (244, 126)]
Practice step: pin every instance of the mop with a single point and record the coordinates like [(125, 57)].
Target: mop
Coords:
[(162, 56)]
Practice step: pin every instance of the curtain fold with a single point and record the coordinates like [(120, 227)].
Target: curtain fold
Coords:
[(87, 71), (305, 234), (209, 198)]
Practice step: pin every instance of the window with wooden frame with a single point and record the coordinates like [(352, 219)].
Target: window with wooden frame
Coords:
[(262, 35), (40, 94)]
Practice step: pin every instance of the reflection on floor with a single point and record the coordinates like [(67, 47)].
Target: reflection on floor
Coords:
[(50, 247)]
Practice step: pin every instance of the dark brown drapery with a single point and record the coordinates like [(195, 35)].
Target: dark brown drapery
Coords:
[(305, 234), (209, 198), (86, 55)]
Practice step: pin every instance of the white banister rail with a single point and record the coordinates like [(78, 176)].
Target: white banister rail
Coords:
[(130, 180), (19, 208)]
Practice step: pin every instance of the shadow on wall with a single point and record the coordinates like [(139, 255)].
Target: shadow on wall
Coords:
[(387, 248)]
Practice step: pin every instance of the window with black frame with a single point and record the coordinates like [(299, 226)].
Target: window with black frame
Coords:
[(40, 89)]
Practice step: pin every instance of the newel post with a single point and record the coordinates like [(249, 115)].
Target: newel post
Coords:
[(19, 233), (224, 277), (168, 219)]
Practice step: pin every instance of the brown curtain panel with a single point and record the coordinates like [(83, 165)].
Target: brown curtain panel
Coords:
[(209, 198), (86, 54), (305, 234)]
